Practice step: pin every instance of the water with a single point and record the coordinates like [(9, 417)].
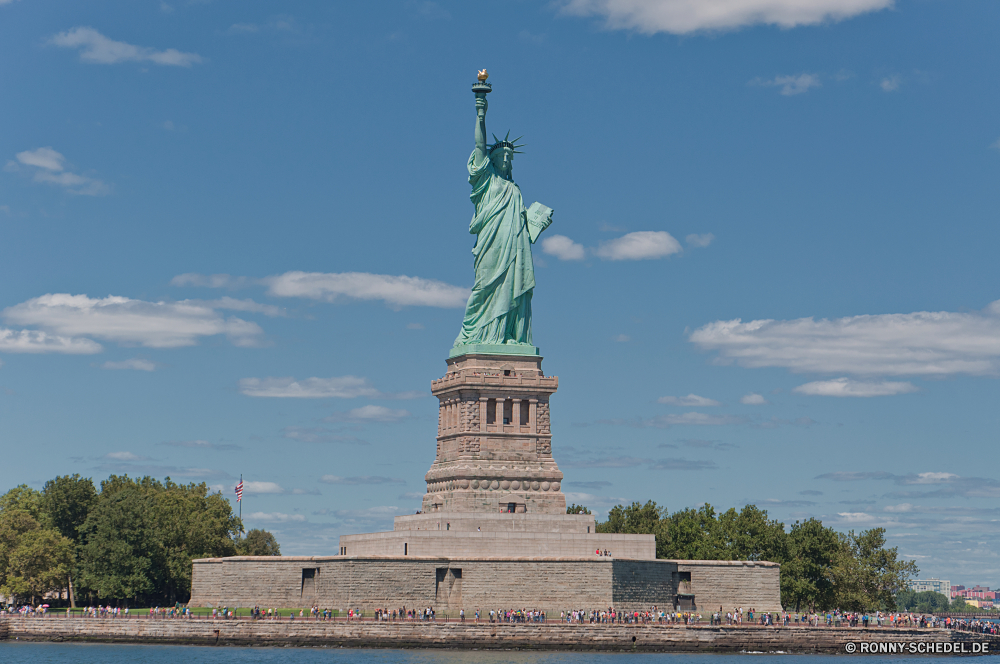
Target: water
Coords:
[(115, 654)]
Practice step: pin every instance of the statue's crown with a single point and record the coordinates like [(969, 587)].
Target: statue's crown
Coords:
[(506, 143)]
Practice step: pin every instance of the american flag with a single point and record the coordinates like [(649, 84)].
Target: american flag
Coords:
[(239, 491)]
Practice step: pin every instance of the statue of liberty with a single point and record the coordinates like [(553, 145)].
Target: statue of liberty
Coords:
[(499, 309)]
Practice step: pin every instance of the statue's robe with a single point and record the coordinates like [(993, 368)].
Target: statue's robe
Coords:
[(499, 308)]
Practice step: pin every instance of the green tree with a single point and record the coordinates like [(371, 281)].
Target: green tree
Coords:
[(577, 509), (34, 558), (14, 523), (868, 575), (23, 497), (807, 572), (67, 500), (258, 543), (926, 601), (750, 535), (122, 557), (648, 519), (39, 563), (694, 535), (141, 536)]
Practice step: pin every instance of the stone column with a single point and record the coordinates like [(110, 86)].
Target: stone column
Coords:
[(515, 415), (482, 414)]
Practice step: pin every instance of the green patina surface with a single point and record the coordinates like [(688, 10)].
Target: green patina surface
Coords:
[(498, 315), (493, 349)]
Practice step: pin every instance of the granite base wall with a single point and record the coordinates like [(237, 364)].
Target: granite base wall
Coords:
[(549, 636), (733, 583), (550, 584), (496, 544)]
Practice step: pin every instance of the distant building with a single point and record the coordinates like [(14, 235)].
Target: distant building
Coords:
[(955, 590), (976, 592), (980, 603), (934, 585)]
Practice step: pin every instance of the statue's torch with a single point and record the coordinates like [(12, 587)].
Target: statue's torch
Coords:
[(481, 87)]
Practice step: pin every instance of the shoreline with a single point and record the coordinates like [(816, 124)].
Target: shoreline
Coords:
[(598, 637)]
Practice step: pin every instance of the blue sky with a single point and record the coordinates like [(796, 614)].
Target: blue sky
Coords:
[(234, 240)]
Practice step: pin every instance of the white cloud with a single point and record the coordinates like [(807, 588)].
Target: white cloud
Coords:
[(790, 85), (845, 387), (563, 248), (96, 48), (135, 363), (210, 280), (902, 507), (247, 304), (367, 479), (855, 517), (690, 400), (929, 478), (640, 245), (73, 183), (921, 343), (127, 321), (753, 399), (46, 158), (704, 240), (341, 387), (370, 413), (35, 341), (123, 456), (685, 16), (252, 488), (889, 84), (623, 338), (394, 290), (856, 476), (274, 517), (49, 167)]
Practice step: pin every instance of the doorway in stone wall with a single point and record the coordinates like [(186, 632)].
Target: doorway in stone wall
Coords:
[(308, 588), (448, 587)]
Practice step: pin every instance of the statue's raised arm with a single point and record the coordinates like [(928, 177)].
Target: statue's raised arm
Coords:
[(481, 106)]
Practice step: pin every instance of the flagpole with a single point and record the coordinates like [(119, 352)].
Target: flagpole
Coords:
[(240, 501)]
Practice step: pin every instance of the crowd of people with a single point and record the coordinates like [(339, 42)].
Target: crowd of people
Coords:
[(655, 615), (978, 626)]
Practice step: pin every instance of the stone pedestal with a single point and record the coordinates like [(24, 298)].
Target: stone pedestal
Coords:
[(494, 442)]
